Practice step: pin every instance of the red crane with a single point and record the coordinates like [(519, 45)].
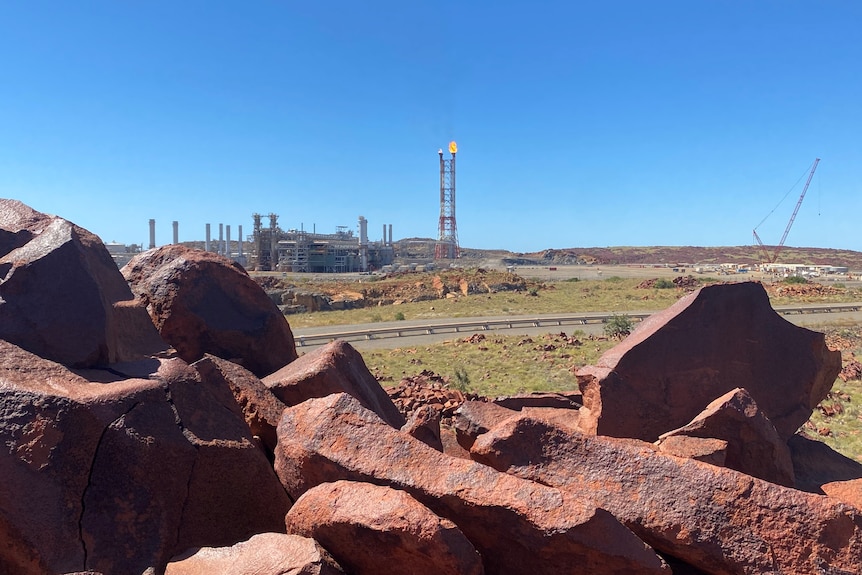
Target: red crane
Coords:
[(774, 257)]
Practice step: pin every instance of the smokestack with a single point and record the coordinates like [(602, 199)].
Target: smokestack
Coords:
[(227, 238), (207, 243), (220, 247), (390, 234), (384, 234), (152, 234), (176, 232), (239, 240), (363, 244)]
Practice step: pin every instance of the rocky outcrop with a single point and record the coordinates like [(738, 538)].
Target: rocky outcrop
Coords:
[(263, 554), (717, 520), (371, 529), (474, 418), (61, 296), (205, 303), (518, 527), (117, 474), (333, 368), (708, 343), (752, 444), (815, 463), (260, 408), (424, 425)]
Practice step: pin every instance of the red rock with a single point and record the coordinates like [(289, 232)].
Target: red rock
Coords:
[(563, 417), (850, 492), (260, 408), (711, 341), (474, 418), (263, 554), (118, 474), (712, 451), (424, 425), (205, 303), (333, 368), (451, 447), (567, 400), (371, 529), (815, 464), (61, 295), (519, 527), (753, 445), (715, 519)]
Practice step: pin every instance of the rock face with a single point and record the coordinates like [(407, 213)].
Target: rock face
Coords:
[(424, 425), (371, 529), (201, 302), (333, 368), (57, 279), (717, 520), (474, 418), (263, 554), (752, 444), (708, 343), (519, 527), (117, 474), (260, 408)]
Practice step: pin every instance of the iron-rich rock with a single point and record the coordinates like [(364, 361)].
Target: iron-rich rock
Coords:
[(260, 408), (753, 445), (371, 529), (715, 519), (567, 400), (117, 474), (474, 418), (202, 302), (709, 342), (518, 527), (263, 554), (424, 425), (850, 492), (333, 368), (61, 295), (712, 451), (815, 464)]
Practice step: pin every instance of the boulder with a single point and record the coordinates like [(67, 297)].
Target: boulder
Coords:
[(815, 464), (260, 408), (560, 400), (263, 554), (371, 529), (753, 445), (202, 302), (718, 520), (333, 368), (61, 295), (474, 418), (850, 492), (712, 451), (709, 342), (518, 527), (117, 474), (424, 425)]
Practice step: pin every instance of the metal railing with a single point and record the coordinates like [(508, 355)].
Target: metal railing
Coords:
[(474, 325)]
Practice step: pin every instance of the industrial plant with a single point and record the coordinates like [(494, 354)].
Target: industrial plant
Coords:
[(290, 250)]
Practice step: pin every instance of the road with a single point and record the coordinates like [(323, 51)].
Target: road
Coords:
[(424, 332)]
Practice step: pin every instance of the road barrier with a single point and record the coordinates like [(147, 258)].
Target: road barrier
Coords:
[(474, 325)]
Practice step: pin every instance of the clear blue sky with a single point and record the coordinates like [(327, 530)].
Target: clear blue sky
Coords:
[(578, 123)]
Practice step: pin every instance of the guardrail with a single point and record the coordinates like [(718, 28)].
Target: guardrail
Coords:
[(515, 322)]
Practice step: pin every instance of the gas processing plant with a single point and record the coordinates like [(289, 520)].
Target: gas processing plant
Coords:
[(275, 249)]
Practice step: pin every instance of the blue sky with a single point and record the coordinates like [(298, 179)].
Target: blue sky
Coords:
[(578, 124)]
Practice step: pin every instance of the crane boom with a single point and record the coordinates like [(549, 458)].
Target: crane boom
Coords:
[(774, 257)]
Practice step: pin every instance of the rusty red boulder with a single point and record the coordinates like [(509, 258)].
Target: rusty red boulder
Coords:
[(61, 295), (706, 344), (371, 529), (333, 368), (117, 474), (202, 302)]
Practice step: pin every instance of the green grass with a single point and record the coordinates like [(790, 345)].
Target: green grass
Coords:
[(495, 365)]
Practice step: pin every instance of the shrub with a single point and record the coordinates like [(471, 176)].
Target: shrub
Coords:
[(795, 280), (399, 316), (614, 279), (462, 380), (664, 284), (619, 326)]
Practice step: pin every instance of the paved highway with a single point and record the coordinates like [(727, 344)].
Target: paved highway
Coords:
[(389, 335)]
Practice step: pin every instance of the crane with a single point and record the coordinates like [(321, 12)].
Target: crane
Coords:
[(774, 257)]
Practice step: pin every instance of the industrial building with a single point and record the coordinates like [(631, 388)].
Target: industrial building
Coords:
[(294, 250)]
